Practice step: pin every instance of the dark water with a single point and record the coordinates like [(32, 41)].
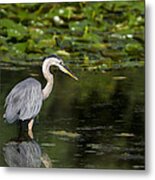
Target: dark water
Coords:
[(96, 122)]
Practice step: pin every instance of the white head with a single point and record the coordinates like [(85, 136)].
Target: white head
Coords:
[(54, 60)]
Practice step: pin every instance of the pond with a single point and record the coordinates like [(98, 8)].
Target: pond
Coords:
[(96, 122)]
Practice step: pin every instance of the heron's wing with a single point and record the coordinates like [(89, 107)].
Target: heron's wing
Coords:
[(24, 101)]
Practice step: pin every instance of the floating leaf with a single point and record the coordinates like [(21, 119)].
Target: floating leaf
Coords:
[(63, 53), (14, 29), (125, 135), (119, 77), (65, 133), (48, 144), (19, 48)]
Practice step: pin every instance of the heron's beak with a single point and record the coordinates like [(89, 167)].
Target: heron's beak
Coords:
[(67, 71)]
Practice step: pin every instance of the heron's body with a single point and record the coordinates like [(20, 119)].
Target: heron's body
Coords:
[(25, 99)]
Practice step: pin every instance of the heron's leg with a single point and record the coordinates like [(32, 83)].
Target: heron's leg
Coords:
[(30, 126)]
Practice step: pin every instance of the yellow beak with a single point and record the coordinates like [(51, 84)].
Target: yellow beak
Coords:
[(67, 71)]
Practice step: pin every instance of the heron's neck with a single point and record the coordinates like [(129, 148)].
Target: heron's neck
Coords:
[(49, 77)]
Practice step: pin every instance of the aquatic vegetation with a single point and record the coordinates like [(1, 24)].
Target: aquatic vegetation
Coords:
[(94, 35)]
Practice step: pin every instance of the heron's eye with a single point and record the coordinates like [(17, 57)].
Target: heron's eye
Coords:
[(61, 63)]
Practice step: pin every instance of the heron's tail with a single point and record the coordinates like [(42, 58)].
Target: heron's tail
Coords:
[(10, 115)]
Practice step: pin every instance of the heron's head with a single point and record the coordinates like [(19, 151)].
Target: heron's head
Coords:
[(54, 60)]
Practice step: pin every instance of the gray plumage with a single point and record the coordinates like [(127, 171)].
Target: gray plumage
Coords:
[(24, 154), (24, 101)]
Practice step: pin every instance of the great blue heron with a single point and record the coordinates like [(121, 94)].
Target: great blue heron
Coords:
[(25, 99)]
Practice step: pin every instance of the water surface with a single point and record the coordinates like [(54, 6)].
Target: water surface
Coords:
[(96, 122)]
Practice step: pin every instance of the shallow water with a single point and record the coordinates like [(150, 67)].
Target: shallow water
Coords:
[(96, 122)]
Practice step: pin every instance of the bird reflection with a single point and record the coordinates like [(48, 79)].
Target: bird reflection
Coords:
[(25, 152), (22, 154)]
